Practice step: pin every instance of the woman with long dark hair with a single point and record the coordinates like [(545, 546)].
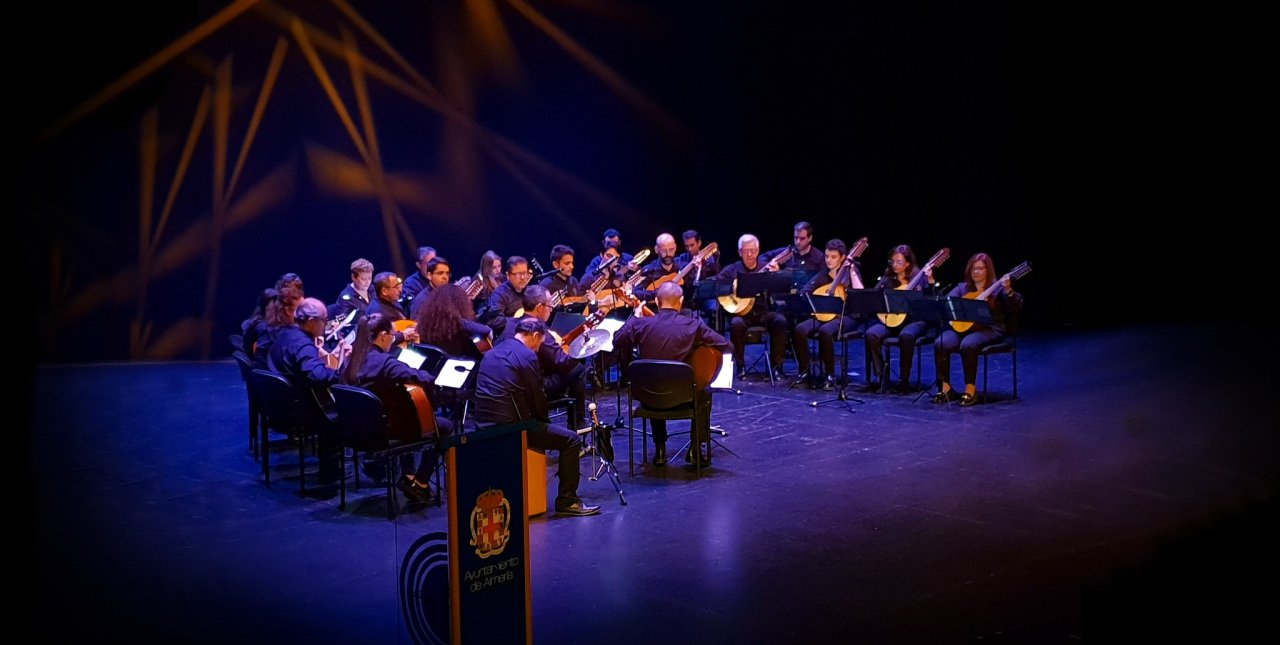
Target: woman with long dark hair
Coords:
[(447, 321)]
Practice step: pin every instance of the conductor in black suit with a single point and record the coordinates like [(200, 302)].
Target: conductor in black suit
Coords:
[(671, 336)]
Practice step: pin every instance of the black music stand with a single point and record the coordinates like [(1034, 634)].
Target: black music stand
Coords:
[(710, 289), (754, 285), (941, 311), (835, 305), (563, 322)]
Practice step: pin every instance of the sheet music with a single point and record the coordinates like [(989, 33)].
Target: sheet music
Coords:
[(454, 373), (724, 380), (412, 358)]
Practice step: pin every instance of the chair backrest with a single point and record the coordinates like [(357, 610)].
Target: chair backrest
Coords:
[(661, 385), (237, 342), (280, 400), (245, 363), (361, 415)]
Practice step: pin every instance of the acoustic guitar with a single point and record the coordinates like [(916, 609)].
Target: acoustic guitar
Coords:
[(739, 306), (896, 319), (842, 276), (706, 363), (962, 326), (678, 276)]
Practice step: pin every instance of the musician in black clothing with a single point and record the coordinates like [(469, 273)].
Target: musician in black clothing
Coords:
[(446, 320), (507, 299), (900, 272), (295, 355), (562, 281), (278, 315), (671, 335), (356, 295), (664, 265), (804, 256), (438, 274), (837, 273), (710, 267), (761, 312), (612, 240), (388, 286), (417, 281), (372, 367), (979, 275), (509, 390), (562, 375)]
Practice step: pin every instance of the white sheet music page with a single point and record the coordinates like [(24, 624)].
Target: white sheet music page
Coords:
[(454, 373), (724, 380), (612, 325), (412, 358)]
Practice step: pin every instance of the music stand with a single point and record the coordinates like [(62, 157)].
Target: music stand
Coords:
[(835, 305), (712, 289), (941, 311), (752, 285)]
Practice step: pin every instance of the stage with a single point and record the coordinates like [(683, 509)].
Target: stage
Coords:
[(1128, 494)]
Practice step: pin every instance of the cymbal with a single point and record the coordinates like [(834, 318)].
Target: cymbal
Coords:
[(589, 343)]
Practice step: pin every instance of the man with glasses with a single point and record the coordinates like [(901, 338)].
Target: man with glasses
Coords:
[(507, 299), (389, 287)]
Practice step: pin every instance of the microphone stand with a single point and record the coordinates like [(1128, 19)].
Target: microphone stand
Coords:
[(842, 395)]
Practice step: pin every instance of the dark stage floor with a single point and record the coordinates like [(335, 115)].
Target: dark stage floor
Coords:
[(1127, 495)]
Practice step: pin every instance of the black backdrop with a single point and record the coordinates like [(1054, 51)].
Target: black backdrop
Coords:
[(1090, 143)]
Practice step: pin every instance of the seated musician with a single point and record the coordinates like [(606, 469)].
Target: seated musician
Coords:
[(612, 240), (387, 287), (979, 275), (900, 273), (446, 320), (372, 367), (562, 375), (296, 355), (507, 299), (659, 270), (761, 311), (803, 256), (710, 267), (508, 391), (837, 273), (565, 288), (356, 295), (278, 314), (671, 336), (418, 280), (438, 274)]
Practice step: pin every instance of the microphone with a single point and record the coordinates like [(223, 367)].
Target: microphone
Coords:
[(604, 266), (545, 274), (595, 420)]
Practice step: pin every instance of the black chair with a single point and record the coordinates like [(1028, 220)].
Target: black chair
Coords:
[(363, 427), (1007, 345), (290, 411), (255, 408), (925, 339), (237, 342), (660, 389), (758, 335)]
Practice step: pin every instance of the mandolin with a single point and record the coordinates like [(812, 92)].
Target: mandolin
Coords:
[(894, 320), (678, 276), (962, 326), (739, 306), (842, 276)]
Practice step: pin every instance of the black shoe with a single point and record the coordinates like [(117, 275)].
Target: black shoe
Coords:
[(579, 509), (943, 396), (660, 455), (742, 373), (967, 400), (701, 455), (871, 386), (414, 491)]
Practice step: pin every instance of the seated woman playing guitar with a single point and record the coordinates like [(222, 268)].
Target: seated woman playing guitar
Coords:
[(447, 320), (979, 281), (402, 391), (902, 273)]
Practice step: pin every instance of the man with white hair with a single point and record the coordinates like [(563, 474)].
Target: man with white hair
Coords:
[(760, 312)]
